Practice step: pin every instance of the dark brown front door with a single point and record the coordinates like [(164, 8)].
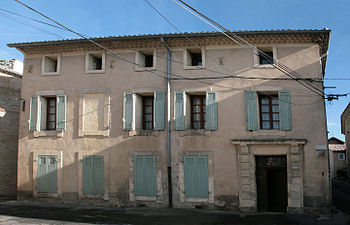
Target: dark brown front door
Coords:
[(271, 179)]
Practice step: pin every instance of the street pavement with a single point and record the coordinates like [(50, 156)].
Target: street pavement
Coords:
[(28, 212)]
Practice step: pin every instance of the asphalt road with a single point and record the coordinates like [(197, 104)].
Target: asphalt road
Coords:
[(49, 213)]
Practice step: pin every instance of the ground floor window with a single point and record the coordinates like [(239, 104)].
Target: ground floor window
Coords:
[(46, 174), (93, 174), (196, 176), (145, 175)]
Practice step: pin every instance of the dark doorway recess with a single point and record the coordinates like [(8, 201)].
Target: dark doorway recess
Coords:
[(271, 180)]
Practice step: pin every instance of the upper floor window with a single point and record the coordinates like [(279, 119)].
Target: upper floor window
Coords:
[(147, 112), (48, 112), (51, 64), (197, 111), (264, 57), (274, 110), (95, 62), (341, 156), (145, 60), (269, 111), (194, 58)]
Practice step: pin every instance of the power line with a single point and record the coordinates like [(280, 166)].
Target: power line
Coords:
[(284, 69), (123, 58)]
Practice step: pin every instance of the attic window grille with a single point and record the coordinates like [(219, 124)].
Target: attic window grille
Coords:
[(95, 61)]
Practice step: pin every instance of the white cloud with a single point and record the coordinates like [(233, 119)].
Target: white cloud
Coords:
[(331, 124)]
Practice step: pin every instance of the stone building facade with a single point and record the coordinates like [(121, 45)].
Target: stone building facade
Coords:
[(10, 91), (231, 132), (345, 129)]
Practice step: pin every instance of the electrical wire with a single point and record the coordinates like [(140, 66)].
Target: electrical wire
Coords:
[(284, 69)]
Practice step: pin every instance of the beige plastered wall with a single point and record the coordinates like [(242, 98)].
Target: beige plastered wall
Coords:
[(308, 122)]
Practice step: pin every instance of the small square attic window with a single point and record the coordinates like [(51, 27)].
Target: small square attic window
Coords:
[(265, 57), (145, 60), (194, 58), (95, 62), (50, 64)]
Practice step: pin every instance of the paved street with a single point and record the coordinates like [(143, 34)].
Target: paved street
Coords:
[(12, 212)]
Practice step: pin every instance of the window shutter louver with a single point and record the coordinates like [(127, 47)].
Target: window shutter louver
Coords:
[(211, 114), (179, 123), (159, 110), (128, 120), (251, 110), (88, 174), (34, 113), (145, 176), (61, 112), (196, 176), (98, 175), (284, 110)]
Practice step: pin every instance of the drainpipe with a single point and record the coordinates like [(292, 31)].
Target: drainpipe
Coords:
[(170, 191)]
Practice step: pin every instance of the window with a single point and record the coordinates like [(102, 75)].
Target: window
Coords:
[(264, 57), (194, 58), (51, 113), (144, 111), (201, 108), (145, 176), (93, 175), (341, 156), (51, 64), (94, 118), (48, 113), (145, 60), (196, 176), (95, 62), (269, 112), (274, 110), (147, 112), (46, 174), (197, 111)]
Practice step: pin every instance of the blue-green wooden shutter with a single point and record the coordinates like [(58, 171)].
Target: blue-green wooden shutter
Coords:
[(88, 175), (196, 176), (251, 110), (128, 111), (46, 174), (98, 175), (284, 110), (211, 114), (179, 123), (159, 110), (34, 113), (61, 112), (145, 176)]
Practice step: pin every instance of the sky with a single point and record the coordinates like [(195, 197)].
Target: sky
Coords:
[(128, 17)]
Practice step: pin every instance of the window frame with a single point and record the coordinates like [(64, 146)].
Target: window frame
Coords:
[(341, 158), (201, 112), (187, 56), (270, 104), (48, 113), (265, 48), (58, 64), (144, 113), (87, 62)]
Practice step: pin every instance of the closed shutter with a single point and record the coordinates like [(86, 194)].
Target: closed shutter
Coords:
[(284, 110), (93, 175), (196, 176), (251, 110), (179, 123), (47, 174), (145, 176), (98, 175), (34, 113), (159, 110), (128, 120), (88, 175), (61, 112), (211, 114)]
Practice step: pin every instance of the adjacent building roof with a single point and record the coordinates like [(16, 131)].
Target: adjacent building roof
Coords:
[(337, 147), (256, 37)]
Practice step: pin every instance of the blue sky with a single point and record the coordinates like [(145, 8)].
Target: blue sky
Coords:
[(127, 17)]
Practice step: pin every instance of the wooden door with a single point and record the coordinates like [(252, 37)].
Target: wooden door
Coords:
[(46, 174)]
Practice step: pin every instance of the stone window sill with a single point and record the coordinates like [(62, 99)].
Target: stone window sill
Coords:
[(264, 66), (104, 133), (269, 133), (193, 67), (48, 133), (144, 133), (146, 198), (196, 200), (192, 132), (143, 69)]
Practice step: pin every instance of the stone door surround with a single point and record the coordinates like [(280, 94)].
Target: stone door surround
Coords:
[(247, 149)]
